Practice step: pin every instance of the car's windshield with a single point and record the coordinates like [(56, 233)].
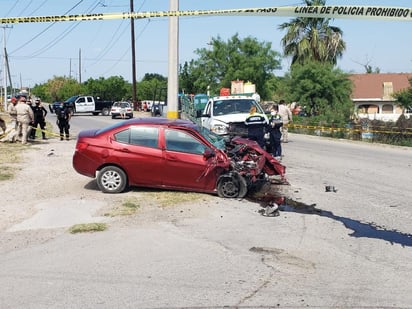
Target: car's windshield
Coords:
[(216, 140), (234, 106), (121, 104)]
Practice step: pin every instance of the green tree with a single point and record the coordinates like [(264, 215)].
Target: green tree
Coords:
[(149, 83), (223, 62), (58, 88), (114, 88), (312, 39), (321, 89), (404, 97)]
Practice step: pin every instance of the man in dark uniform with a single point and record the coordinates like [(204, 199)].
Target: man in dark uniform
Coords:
[(63, 117), (39, 119), (256, 124)]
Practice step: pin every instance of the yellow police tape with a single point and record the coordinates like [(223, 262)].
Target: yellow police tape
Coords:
[(344, 11), (49, 133), (408, 131)]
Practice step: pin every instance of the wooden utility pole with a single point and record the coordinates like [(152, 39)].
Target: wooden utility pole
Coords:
[(134, 97)]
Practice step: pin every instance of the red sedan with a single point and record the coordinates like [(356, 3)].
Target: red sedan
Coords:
[(172, 154)]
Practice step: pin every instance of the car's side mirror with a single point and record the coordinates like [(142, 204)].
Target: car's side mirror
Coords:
[(208, 153), (199, 114)]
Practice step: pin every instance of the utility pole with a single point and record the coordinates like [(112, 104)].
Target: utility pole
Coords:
[(80, 65), (173, 79), (134, 96), (5, 67)]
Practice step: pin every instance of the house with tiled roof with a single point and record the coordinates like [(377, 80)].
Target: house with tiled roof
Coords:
[(372, 95)]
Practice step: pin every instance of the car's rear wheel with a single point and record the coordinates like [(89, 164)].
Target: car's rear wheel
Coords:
[(111, 179), (231, 185)]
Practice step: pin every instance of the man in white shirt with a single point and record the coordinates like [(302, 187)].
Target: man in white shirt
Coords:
[(286, 115)]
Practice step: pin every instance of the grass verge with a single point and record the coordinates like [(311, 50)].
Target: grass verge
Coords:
[(128, 207), (88, 227)]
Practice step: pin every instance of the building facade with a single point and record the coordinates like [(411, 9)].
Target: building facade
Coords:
[(372, 95)]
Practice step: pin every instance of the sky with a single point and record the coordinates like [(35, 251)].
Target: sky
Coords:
[(92, 49)]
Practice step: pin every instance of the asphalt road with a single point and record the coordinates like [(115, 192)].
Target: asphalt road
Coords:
[(345, 249)]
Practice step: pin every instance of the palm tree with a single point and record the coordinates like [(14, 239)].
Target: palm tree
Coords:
[(312, 39)]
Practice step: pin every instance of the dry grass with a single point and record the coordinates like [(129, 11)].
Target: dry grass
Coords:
[(171, 198), (128, 207), (88, 227), (10, 156)]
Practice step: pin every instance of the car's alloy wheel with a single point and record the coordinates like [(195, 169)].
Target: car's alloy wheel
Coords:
[(231, 185), (112, 179)]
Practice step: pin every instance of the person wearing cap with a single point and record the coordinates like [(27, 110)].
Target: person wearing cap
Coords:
[(256, 124), (39, 119), (63, 117), (11, 109), (25, 117)]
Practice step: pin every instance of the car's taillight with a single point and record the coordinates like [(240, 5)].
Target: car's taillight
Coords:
[(81, 145)]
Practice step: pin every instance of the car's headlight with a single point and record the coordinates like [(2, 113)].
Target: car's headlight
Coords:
[(219, 129)]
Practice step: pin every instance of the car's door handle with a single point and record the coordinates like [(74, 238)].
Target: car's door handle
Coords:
[(124, 150), (172, 158)]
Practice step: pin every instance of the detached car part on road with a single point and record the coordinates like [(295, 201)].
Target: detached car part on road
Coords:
[(171, 154)]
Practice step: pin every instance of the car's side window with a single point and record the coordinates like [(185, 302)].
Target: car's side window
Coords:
[(140, 136), (122, 136), (183, 142), (144, 136)]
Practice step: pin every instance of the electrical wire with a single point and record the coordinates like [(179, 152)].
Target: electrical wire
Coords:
[(47, 28)]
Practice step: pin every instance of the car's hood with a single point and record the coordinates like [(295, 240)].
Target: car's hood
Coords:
[(231, 118)]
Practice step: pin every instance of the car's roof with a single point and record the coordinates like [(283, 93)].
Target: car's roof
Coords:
[(161, 121)]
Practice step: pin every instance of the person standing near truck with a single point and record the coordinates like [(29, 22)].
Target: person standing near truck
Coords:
[(256, 125), (63, 118), (286, 115)]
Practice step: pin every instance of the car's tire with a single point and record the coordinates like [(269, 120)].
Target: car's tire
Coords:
[(231, 185), (95, 113), (111, 179), (105, 112)]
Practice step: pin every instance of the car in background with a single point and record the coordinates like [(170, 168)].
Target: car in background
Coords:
[(172, 154), (119, 107)]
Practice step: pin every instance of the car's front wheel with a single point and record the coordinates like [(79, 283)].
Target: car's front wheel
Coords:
[(231, 185), (111, 179)]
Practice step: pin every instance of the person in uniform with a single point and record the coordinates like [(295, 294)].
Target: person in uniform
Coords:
[(25, 117), (256, 124), (63, 118), (39, 119)]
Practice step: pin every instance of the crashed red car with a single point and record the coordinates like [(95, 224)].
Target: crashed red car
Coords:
[(171, 154)]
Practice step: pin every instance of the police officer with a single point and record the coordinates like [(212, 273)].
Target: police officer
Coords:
[(39, 119), (63, 117), (256, 124)]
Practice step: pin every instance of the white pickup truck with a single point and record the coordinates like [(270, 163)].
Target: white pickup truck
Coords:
[(226, 115), (85, 104)]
